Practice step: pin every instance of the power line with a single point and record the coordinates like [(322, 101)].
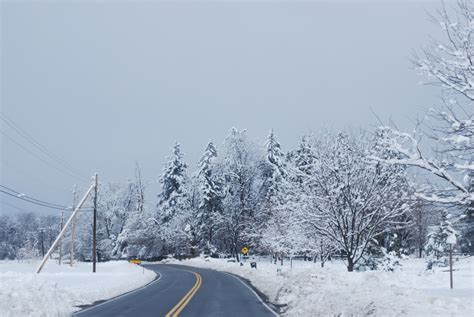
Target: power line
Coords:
[(30, 201), (32, 198), (39, 146), (26, 210), (41, 159), (36, 203)]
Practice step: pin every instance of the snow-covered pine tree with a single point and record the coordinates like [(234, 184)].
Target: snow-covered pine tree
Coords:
[(172, 198), (274, 179), (173, 206), (209, 214), (304, 159), (439, 240), (465, 225), (273, 218), (274, 170)]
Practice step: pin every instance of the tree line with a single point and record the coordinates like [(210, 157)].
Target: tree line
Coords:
[(345, 193)]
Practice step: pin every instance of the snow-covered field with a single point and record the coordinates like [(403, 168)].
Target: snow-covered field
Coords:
[(58, 290), (309, 290)]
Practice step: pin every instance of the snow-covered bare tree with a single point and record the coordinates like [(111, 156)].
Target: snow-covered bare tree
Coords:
[(282, 236), (422, 216), (450, 126), (138, 237), (240, 169), (351, 200), (110, 218), (449, 62)]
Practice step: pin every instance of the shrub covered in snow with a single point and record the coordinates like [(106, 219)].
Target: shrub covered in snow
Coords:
[(440, 239), (384, 261)]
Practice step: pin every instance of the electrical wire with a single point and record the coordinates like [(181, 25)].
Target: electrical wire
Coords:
[(16, 194), (31, 198), (39, 146), (25, 210), (33, 202), (41, 159)]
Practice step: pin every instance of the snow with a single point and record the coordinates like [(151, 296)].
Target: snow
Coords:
[(58, 290), (451, 239), (309, 290)]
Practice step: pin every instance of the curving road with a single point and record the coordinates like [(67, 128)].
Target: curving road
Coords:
[(185, 291)]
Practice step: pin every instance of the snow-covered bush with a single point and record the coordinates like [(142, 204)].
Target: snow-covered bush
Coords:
[(27, 252), (439, 241), (381, 259), (391, 260), (368, 263)]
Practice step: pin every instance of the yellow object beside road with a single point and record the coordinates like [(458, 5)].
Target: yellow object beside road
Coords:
[(135, 261)]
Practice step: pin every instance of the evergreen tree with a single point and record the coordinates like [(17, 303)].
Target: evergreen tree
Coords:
[(274, 170), (439, 240), (466, 223), (304, 159), (172, 198), (210, 207), (274, 190)]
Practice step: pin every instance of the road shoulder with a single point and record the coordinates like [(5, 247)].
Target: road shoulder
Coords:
[(84, 308)]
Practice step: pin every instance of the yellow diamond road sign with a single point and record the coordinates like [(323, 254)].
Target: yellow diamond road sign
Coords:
[(244, 250)]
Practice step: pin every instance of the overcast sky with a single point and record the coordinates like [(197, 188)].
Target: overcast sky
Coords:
[(103, 84)]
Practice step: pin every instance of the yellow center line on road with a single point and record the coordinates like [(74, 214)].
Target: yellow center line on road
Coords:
[(174, 312)]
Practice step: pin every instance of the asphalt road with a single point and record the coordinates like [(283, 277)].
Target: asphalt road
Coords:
[(185, 291)]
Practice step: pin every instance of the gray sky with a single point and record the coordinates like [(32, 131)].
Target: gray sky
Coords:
[(103, 84)]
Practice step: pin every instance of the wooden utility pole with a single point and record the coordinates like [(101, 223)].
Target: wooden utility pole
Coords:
[(73, 228), (61, 234), (61, 241), (451, 265), (42, 241), (94, 227)]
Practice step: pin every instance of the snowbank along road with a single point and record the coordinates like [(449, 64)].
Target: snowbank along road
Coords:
[(185, 291)]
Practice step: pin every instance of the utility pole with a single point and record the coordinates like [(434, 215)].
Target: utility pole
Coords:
[(61, 234), (42, 241), (73, 228), (451, 266), (61, 241), (94, 227)]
